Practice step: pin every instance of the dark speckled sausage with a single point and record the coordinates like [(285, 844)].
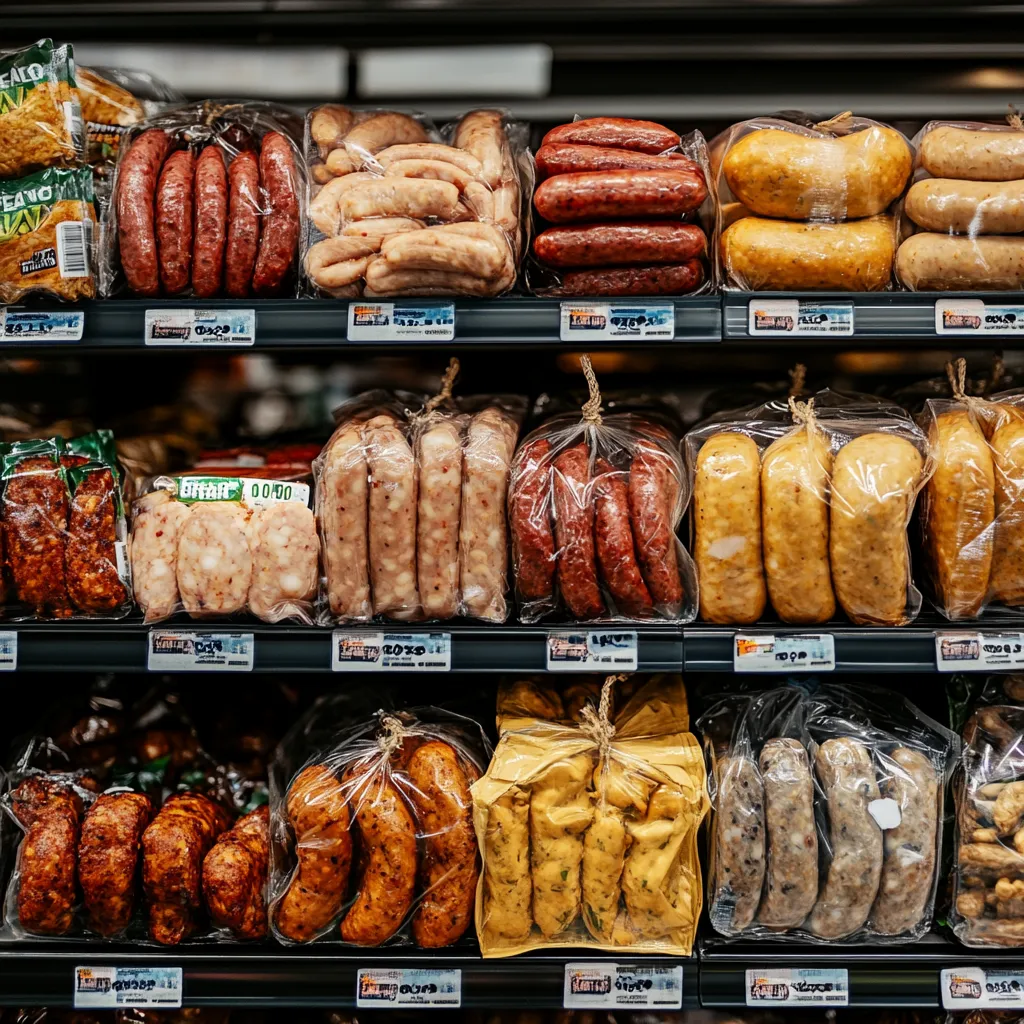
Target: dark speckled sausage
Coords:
[(243, 224), (574, 532), (211, 223), (647, 280), (608, 195), (621, 244), (614, 538), (280, 239), (619, 132)]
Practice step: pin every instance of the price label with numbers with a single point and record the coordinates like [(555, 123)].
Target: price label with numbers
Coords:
[(172, 650), (793, 652), (971, 651), (8, 651), (966, 988), (775, 318), (382, 987), (581, 322), (594, 650), (176, 327), (19, 325), (401, 321), (778, 986), (355, 651), (638, 986), (975, 316), (110, 988)]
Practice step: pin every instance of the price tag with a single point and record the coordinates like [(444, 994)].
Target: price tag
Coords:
[(176, 327), (173, 650), (353, 651), (773, 318), (793, 652), (379, 987), (611, 650), (401, 321), (8, 651), (970, 651), (975, 316), (28, 325), (776, 986), (606, 986), (595, 320), (110, 988), (966, 988)]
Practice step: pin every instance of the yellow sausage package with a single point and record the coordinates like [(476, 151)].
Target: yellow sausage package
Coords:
[(372, 838), (806, 505), (589, 832), (805, 206)]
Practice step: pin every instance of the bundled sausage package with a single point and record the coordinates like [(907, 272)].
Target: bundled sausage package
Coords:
[(806, 505), (398, 208), (594, 503), (965, 208), (828, 811), (207, 202), (373, 838), (589, 830), (805, 206)]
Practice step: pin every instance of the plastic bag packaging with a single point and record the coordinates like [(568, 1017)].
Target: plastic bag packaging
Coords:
[(395, 785), (804, 206), (589, 832), (807, 505), (410, 499), (828, 810), (964, 213), (207, 203), (598, 498), (397, 208), (624, 209), (217, 546)]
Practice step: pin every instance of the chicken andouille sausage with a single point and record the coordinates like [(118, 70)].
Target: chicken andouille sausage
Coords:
[(533, 542), (174, 221), (568, 158), (214, 559), (482, 134), (439, 458), (1007, 580), (156, 525), (508, 883), (279, 237), (601, 195), (598, 245), (933, 262), (235, 876), (90, 551), (136, 193), (284, 561), (574, 533), (211, 198), (617, 132), (243, 224), (614, 543), (965, 153), (647, 280), (967, 207)]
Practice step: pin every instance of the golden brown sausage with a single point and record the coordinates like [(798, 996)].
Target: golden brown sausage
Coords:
[(1007, 582), (951, 152), (235, 876)]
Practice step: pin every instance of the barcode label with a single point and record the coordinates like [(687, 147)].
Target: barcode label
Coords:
[(72, 260)]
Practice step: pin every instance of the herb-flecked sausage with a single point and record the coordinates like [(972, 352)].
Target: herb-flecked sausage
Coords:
[(136, 192), (174, 221), (279, 241), (574, 532), (243, 223), (211, 223)]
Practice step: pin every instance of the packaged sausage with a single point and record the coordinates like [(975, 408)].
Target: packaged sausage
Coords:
[(623, 208), (208, 203), (828, 811), (594, 503), (806, 505), (588, 829), (372, 827), (398, 208), (805, 206)]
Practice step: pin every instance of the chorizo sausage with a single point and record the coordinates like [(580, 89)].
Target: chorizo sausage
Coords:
[(614, 543), (136, 192), (211, 223), (597, 245), (574, 532), (617, 132), (608, 195), (243, 224), (533, 542), (647, 280), (279, 239), (174, 221), (566, 158)]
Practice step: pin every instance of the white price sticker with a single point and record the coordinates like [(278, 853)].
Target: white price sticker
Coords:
[(967, 988), (176, 327), (774, 318), (584, 322), (975, 316), (611, 650), (777, 986), (383, 987), (172, 650), (8, 651), (354, 651), (637, 986), (29, 326), (401, 321), (110, 988), (793, 652), (971, 651)]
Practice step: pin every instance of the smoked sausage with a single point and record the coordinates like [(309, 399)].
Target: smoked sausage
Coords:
[(211, 223), (174, 221), (136, 191), (243, 223), (617, 132), (608, 195), (564, 158), (646, 280), (614, 542), (279, 240), (574, 531), (599, 245), (533, 543)]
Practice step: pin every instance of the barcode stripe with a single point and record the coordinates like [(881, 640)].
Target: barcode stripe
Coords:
[(71, 252)]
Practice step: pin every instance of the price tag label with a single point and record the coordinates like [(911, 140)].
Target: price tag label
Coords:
[(970, 651), (177, 327), (110, 988), (354, 651), (611, 650), (8, 651), (975, 316), (379, 987), (173, 650), (401, 321), (30, 326), (774, 318), (967, 988), (794, 652), (637, 986), (779, 986), (595, 320)]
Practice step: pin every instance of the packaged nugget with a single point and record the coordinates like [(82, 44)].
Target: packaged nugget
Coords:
[(589, 831)]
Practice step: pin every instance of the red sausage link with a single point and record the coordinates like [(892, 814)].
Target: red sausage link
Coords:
[(649, 280), (280, 240), (136, 191), (614, 195), (243, 223), (563, 158), (618, 132), (574, 531), (603, 245), (653, 492), (615, 542), (211, 222), (533, 544), (174, 221)]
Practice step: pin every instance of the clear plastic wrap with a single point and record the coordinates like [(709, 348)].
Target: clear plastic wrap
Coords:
[(208, 201), (397, 208), (807, 505), (805, 206), (394, 787), (594, 503), (828, 812), (624, 208), (589, 832)]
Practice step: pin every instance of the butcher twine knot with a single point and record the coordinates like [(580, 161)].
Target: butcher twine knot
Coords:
[(592, 406), (598, 724)]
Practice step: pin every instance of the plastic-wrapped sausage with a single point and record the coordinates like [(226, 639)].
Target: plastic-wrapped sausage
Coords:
[(439, 455), (574, 532)]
